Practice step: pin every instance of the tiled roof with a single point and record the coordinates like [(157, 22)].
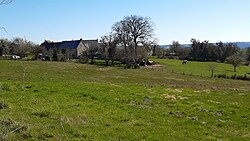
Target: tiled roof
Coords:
[(67, 44), (52, 45), (63, 44), (70, 44)]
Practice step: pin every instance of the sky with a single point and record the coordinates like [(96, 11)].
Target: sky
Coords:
[(174, 20)]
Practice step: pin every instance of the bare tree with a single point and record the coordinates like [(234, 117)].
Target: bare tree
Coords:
[(160, 52), (121, 31), (108, 48), (4, 46), (235, 60), (104, 48), (148, 49), (247, 54), (132, 31), (140, 28), (175, 47), (212, 67), (22, 47), (92, 50)]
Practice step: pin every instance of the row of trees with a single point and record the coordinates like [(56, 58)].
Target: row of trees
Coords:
[(20, 47), (205, 51), (247, 54)]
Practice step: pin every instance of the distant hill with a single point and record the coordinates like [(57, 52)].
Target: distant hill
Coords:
[(239, 44)]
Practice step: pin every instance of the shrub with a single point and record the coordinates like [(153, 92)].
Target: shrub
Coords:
[(83, 60), (242, 77), (47, 58), (42, 114), (222, 76), (136, 66), (233, 76), (63, 59)]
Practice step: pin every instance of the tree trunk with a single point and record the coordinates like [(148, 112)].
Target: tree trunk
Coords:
[(128, 64), (212, 75), (126, 50), (92, 57), (235, 68), (107, 62), (136, 59), (1, 51)]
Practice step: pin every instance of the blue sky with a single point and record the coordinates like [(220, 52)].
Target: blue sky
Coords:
[(180, 20)]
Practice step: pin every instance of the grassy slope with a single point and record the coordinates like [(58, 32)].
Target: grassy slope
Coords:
[(60, 101)]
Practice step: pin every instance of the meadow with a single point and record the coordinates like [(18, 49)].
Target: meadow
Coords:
[(71, 101)]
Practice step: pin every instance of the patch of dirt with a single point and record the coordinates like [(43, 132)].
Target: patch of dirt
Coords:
[(215, 102), (241, 94), (183, 98), (114, 85), (155, 66), (177, 79), (104, 69), (173, 97), (207, 91), (169, 97), (174, 90)]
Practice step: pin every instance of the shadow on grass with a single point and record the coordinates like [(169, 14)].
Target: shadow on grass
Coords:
[(102, 63)]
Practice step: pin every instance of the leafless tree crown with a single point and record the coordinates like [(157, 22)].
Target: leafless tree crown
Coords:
[(134, 31)]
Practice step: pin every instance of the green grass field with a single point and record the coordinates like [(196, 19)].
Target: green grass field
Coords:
[(202, 68), (70, 101)]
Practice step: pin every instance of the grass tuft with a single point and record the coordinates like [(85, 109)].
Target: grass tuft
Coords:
[(42, 114)]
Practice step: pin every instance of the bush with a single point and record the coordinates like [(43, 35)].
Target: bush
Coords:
[(63, 59), (243, 77), (238, 77), (83, 60), (233, 76), (136, 66), (47, 58), (222, 76), (42, 114)]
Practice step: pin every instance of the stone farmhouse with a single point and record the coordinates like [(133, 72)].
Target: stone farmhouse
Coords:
[(68, 49)]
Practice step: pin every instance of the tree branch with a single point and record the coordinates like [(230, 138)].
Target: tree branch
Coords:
[(5, 2), (2, 2), (3, 29)]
